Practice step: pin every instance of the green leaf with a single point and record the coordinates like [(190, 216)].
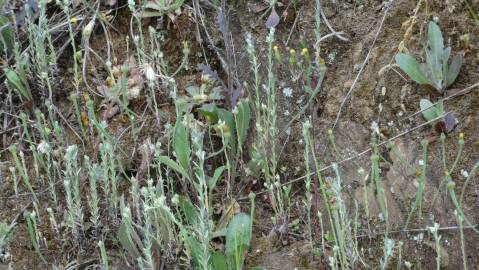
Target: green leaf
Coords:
[(243, 119), (445, 61), (210, 112), (193, 90), (181, 145), (429, 111), (18, 84), (188, 210), (7, 36), (238, 237), (195, 250), (218, 261), (410, 66), (436, 42), (127, 241), (228, 118), (173, 165), (453, 70), (216, 176)]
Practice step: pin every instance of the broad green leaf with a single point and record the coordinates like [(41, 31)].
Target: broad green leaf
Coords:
[(210, 111), (410, 66), (238, 237), (193, 90), (436, 42), (181, 145), (453, 70), (216, 176), (181, 106), (173, 165), (218, 261), (188, 210), (243, 118), (429, 111)]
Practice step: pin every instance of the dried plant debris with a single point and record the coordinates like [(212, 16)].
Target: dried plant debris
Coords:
[(126, 78)]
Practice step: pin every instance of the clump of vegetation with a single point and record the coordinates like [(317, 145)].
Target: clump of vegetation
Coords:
[(156, 8), (5, 238), (156, 164), (436, 72)]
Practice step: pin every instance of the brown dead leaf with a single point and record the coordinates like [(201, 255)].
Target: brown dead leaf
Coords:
[(256, 7)]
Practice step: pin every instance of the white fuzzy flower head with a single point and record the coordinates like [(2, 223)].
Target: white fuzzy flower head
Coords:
[(434, 229), (287, 92), (149, 73), (43, 147), (421, 162), (464, 173)]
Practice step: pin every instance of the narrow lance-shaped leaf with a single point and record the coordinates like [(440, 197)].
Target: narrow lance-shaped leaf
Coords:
[(410, 66), (173, 165), (182, 145), (188, 210), (216, 176), (18, 84), (454, 69), (436, 43), (243, 118)]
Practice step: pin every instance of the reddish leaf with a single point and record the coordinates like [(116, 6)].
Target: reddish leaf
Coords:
[(440, 127)]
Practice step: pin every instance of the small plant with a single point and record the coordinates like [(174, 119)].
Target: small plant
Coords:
[(436, 72), (5, 237), (17, 81), (156, 8), (432, 111)]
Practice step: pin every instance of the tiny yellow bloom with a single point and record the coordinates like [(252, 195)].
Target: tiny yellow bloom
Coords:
[(74, 20)]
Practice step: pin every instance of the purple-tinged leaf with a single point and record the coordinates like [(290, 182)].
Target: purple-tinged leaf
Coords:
[(273, 19), (450, 121)]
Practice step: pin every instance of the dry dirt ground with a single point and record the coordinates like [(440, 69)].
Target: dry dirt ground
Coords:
[(385, 98)]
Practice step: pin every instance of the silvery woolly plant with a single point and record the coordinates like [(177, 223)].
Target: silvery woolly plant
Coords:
[(436, 72)]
